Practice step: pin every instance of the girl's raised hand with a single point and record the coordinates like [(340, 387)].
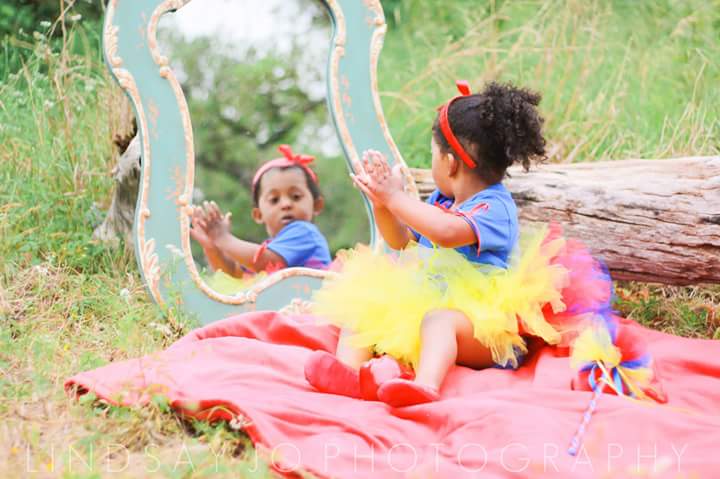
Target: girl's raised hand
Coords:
[(379, 180), (361, 179)]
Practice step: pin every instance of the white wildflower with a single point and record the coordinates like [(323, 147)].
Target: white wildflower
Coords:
[(238, 422), (75, 18), (45, 24), (175, 250), (41, 269), (162, 328)]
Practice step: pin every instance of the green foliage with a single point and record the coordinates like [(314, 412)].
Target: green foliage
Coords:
[(22, 22), (244, 101), (33, 15), (53, 167), (619, 79)]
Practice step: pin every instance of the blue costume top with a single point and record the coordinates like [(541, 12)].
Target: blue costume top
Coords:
[(492, 214), (301, 243)]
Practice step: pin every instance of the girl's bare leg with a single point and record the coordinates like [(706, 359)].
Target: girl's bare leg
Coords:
[(337, 373), (350, 355), (447, 338)]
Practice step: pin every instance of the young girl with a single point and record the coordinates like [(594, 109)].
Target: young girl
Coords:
[(286, 198), (459, 293)]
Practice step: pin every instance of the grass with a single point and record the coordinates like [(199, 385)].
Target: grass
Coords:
[(68, 304), (692, 312), (620, 79)]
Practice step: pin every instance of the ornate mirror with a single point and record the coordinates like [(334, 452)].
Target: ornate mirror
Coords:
[(217, 87)]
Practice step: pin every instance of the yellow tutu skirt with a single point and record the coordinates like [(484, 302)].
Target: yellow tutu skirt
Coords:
[(383, 298), (223, 283)]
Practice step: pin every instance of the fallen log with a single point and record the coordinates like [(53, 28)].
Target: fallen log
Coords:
[(648, 220)]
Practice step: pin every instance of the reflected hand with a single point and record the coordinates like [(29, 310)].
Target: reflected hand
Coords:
[(217, 224), (198, 228)]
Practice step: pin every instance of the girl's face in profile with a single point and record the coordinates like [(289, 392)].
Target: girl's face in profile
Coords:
[(284, 197), (441, 169)]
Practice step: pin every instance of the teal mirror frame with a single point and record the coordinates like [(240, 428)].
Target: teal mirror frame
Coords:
[(161, 227)]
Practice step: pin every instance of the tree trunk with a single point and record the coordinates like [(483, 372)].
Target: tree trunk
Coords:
[(120, 216), (119, 220), (648, 220)]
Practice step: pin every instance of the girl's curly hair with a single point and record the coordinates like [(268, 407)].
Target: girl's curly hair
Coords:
[(497, 127)]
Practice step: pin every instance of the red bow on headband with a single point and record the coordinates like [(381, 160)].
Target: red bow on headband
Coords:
[(302, 160), (290, 159), (464, 89)]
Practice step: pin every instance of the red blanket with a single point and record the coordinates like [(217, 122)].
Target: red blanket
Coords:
[(489, 423)]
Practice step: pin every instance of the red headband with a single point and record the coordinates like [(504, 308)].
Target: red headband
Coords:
[(464, 89), (290, 159)]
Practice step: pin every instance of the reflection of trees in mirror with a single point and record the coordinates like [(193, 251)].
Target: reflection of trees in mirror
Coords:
[(251, 89)]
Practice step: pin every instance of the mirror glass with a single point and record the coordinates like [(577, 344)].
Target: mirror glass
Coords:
[(254, 75)]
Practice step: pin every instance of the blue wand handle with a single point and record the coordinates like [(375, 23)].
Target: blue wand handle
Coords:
[(577, 438)]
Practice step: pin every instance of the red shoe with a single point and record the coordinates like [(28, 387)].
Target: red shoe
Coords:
[(401, 392), (378, 371), (326, 373)]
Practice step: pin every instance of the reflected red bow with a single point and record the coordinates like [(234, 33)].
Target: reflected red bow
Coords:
[(289, 159), (295, 158)]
